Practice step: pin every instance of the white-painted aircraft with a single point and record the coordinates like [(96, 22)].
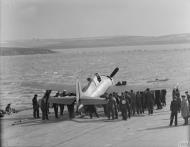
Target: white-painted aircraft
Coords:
[(90, 94)]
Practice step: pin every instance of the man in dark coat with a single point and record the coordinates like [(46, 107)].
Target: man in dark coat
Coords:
[(158, 99), (174, 108), (44, 109), (70, 108), (128, 100), (45, 105), (55, 106), (163, 97), (133, 102), (35, 107), (150, 101), (138, 103), (111, 106), (123, 107)]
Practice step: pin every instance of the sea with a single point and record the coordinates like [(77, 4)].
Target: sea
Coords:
[(137, 65)]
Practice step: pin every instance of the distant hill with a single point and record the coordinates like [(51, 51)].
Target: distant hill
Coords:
[(100, 41), (12, 51)]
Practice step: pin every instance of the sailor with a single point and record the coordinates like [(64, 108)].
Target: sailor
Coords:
[(44, 109), (133, 102), (105, 95), (123, 107), (45, 104), (163, 97), (35, 107), (55, 106), (115, 106), (62, 105), (70, 108), (110, 106), (8, 108), (188, 97), (143, 103), (150, 101), (138, 103), (184, 109), (174, 108), (158, 99), (128, 103)]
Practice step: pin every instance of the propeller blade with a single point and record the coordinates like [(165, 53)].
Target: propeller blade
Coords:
[(114, 72)]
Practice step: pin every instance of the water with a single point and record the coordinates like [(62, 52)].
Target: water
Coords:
[(137, 64)]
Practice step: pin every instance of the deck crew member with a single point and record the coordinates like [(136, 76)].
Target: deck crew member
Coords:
[(55, 106), (188, 98), (35, 107), (133, 102), (111, 104), (174, 108), (150, 101), (138, 103), (62, 105), (184, 109), (123, 107)]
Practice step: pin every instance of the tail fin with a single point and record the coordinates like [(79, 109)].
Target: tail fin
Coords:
[(78, 91)]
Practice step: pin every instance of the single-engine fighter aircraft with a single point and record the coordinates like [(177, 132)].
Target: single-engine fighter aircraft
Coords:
[(89, 95)]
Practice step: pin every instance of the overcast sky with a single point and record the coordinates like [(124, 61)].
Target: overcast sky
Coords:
[(26, 19)]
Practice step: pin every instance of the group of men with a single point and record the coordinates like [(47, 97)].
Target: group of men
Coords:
[(130, 103), (179, 104), (44, 105)]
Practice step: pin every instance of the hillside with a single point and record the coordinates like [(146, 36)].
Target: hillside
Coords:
[(99, 41), (12, 51)]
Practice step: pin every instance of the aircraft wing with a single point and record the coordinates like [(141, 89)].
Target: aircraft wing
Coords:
[(67, 100), (50, 86), (92, 100)]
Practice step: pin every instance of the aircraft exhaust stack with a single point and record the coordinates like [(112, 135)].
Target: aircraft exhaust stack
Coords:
[(114, 72)]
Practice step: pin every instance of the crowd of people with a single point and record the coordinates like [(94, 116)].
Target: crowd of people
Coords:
[(129, 103)]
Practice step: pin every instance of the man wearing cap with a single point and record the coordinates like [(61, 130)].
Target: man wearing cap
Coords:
[(174, 108), (184, 109), (188, 98), (150, 101), (35, 107)]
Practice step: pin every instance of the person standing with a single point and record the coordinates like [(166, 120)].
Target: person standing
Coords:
[(184, 109), (138, 103), (111, 104), (150, 101), (188, 98), (35, 107), (123, 107), (55, 106), (174, 108), (158, 99), (133, 102)]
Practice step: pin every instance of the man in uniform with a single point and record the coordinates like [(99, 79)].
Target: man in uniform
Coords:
[(150, 101), (111, 104), (174, 108), (35, 107), (55, 106), (123, 107)]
